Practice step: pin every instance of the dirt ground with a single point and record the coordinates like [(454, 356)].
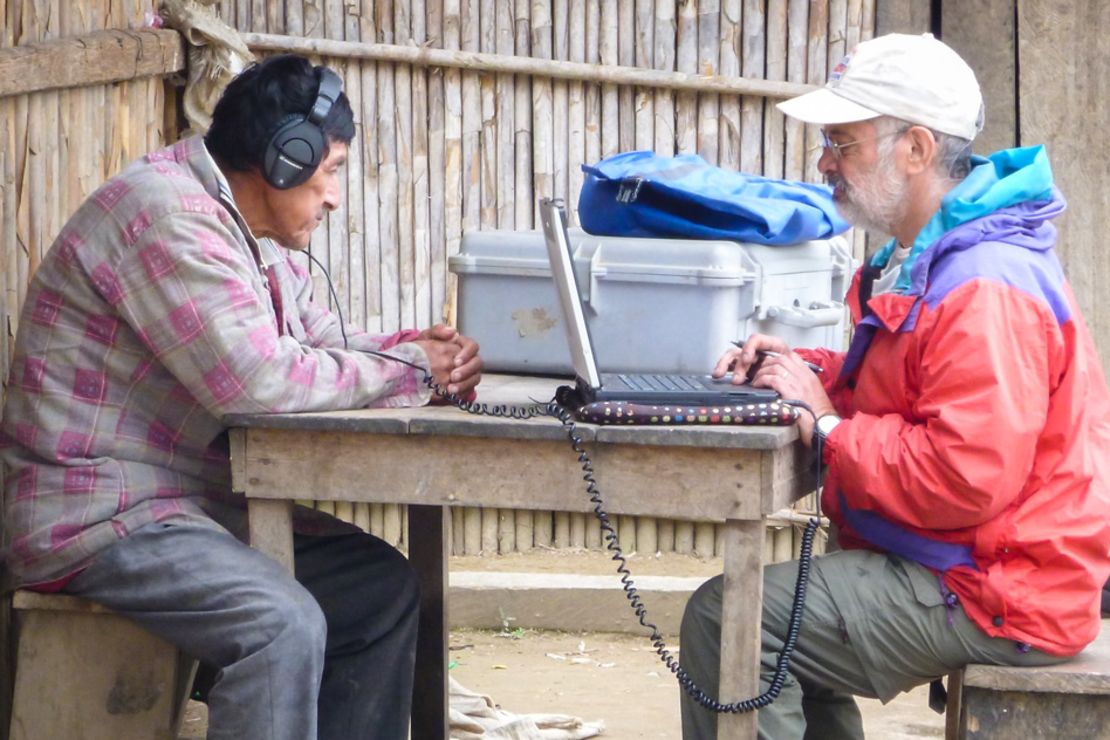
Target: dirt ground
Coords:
[(615, 678)]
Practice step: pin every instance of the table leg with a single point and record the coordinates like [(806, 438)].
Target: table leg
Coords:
[(740, 619), (270, 528), (428, 531)]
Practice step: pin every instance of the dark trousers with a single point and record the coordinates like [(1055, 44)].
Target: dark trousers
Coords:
[(875, 625), (328, 654)]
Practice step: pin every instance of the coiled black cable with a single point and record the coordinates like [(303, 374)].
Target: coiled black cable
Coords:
[(797, 609), (558, 408)]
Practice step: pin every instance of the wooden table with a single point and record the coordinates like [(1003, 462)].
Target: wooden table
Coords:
[(433, 458)]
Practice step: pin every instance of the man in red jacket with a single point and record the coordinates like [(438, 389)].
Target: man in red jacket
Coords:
[(966, 431)]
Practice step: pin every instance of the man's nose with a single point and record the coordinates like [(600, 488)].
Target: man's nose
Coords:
[(331, 194), (827, 164)]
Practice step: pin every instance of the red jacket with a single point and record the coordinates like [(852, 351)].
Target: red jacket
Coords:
[(976, 436)]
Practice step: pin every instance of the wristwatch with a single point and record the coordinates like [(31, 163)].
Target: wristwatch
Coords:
[(825, 424)]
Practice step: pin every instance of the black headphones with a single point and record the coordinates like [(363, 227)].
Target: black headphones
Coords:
[(298, 143)]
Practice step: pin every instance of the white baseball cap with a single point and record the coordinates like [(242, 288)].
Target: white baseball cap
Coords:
[(915, 78)]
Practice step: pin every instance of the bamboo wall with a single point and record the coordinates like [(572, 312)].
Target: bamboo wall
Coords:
[(446, 147)]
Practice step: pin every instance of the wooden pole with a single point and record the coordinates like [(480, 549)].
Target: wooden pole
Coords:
[(686, 60), (452, 154), (402, 113), (817, 57), (362, 516), (488, 140), (853, 27), (370, 305), (426, 313), (664, 60), (356, 193), (458, 530), (610, 98), (753, 63), (728, 130), (535, 66), (794, 143), (594, 122), (709, 36), (867, 24), (389, 180), (254, 14), (335, 248), (377, 520), (437, 167), (525, 125), (645, 58), (576, 105), (95, 58), (505, 97), (774, 123), (626, 53), (543, 111), (838, 40), (560, 124), (491, 517), (294, 16)]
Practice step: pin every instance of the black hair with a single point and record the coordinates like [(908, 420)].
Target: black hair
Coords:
[(259, 100)]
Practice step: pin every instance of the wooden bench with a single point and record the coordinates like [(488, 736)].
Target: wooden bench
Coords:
[(85, 673), (1069, 700)]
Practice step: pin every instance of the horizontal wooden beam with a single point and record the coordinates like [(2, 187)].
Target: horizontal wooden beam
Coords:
[(91, 59), (505, 64)]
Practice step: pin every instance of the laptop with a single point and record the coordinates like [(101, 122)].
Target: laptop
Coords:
[(649, 388)]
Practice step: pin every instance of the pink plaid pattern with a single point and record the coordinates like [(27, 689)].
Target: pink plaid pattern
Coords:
[(157, 260), (141, 330), (66, 251), (303, 371), (108, 284), (102, 328), (33, 372), (137, 227), (47, 306), (71, 445), (186, 322), (90, 386)]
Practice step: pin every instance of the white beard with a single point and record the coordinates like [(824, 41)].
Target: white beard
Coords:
[(876, 201)]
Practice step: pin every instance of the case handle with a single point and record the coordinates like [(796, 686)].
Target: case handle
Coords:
[(816, 314)]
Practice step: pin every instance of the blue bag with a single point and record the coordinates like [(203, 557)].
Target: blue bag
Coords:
[(643, 194)]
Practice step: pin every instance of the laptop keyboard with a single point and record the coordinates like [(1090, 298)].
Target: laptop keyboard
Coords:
[(649, 382)]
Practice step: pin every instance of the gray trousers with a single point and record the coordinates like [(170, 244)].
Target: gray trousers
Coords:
[(327, 655), (875, 625)]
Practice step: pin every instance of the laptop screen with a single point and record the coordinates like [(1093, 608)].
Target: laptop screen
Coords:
[(554, 219)]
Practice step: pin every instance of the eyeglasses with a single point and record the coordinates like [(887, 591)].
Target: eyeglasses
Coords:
[(837, 149)]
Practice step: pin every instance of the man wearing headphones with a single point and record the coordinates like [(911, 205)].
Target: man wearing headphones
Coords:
[(163, 306)]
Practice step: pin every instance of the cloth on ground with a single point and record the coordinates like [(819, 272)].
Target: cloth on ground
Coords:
[(474, 716)]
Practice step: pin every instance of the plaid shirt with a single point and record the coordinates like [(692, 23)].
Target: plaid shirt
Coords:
[(151, 317)]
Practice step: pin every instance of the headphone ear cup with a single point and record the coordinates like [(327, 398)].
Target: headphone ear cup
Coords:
[(293, 152)]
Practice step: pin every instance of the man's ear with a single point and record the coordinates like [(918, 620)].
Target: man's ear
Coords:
[(922, 149)]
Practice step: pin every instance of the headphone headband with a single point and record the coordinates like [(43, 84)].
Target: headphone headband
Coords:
[(326, 95)]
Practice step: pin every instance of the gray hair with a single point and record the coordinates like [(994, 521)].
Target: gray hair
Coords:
[(953, 152)]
